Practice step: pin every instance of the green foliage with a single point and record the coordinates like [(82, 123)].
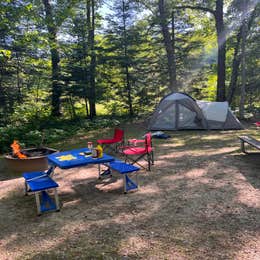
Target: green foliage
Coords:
[(25, 63), (116, 108), (10, 133), (32, 109), (33, 138), (210, 91), (49, 133)]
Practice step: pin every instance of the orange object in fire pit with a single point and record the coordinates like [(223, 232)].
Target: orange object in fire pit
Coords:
[(17, 150)]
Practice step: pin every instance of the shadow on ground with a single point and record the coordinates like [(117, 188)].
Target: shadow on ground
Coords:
[(201, 201)]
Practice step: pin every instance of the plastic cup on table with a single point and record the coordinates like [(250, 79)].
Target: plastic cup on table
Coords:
[(90, 145)]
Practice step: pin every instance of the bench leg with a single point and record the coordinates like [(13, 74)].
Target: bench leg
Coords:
[(105, 173), (125, 184), (46, 203), (38, 204), (243, 146), (56, 200), (129, 184), (99, 171), (26, 188)]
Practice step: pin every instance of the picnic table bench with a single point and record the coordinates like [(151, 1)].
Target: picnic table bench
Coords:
[(124, 169), (39, 183), (249, 140)]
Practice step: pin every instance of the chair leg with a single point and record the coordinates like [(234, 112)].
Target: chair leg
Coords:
[(149, 161), (126, 159), (152, 157), (135, 161)]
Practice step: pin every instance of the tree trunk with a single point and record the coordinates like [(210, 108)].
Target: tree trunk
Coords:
[(237, 57), (221, 63), (18, 79), (168, 46), (235, 68), (92, 69), (243, 67), (128, 87), (173, 48), (127, 80), (86, 106), (72, 108), (55, 59), (86, 54), (2, 92)]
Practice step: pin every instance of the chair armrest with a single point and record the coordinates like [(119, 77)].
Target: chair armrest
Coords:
[(136, 141)]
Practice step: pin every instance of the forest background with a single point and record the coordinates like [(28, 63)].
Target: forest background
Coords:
[(73, 65)]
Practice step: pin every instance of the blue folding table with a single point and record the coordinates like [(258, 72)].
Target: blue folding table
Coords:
[(81, 157), (40, 182), (77, 158)]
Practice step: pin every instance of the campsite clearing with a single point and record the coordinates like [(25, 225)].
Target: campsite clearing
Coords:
[(200, 201)]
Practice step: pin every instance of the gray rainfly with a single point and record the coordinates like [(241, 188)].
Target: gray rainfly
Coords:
[(178, 111)]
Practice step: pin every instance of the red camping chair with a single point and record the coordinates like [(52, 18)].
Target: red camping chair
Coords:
[(113, 142), (136, 153), (257, 124)]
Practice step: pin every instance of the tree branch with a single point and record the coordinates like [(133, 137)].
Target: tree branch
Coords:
[(197, 7), (64, 13)]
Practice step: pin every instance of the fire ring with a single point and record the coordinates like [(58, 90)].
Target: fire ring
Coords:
[(36, 160)]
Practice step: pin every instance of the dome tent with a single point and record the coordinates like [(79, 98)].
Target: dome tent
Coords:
[(178, 111)]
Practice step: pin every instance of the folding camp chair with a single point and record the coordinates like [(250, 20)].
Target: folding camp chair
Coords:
[(114, 142), (257, 124), (134, 154)]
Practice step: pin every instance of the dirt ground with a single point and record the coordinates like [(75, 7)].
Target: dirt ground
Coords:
[(200, 201)]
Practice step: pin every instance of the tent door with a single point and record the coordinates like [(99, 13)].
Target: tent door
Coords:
[(177, 115), (186, 118)]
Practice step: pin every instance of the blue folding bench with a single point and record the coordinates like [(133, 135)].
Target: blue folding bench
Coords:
[(38, 183), (124, 169)]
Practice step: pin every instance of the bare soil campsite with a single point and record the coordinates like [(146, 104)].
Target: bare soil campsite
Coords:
[(201, 200)]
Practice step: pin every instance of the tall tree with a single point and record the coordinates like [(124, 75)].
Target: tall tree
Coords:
[(92, 69), (54, 19), (243, 62), (121, 35), (12, 36), (235, 67), (169, 45), (82, 64), (55, 57), (238, 12), (126, 65), (221, 38)]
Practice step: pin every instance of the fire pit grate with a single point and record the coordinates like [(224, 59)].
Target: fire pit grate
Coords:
[(36, 152)]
